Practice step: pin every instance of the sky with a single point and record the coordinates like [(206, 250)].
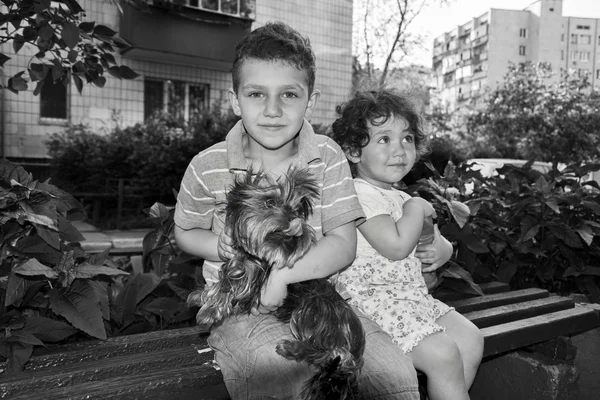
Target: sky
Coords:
[(434, 21)]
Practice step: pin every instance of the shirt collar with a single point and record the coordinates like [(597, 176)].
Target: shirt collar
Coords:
[(308, 150)]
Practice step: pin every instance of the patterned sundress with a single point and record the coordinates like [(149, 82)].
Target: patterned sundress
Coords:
[(392, 293)]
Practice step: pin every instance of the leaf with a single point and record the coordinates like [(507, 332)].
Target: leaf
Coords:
[(567, 235), (585, 270), (553, 205), (24, 337), (460, 212), (87, 27), (17, 83), (145, 283), (80, 307), (78, 83), (98, 258), (115, 71), (70, 34), (18, 357), (181, 292), (33, 267), (46, 32), (127, 73), (87, 271), (15, 290), (38, 88), (99, 81), (3, 59), (18, 44), (531, 232), (586, 233), (50, 236), (12, 171), (48, 330), (163, 306), (506, 271), (104, 31), (67, 231), (100, 289)]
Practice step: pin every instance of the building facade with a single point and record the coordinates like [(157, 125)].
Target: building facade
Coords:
[(476, 54), (184, 57)]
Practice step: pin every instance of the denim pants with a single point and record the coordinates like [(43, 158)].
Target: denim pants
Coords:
[(245, 351)]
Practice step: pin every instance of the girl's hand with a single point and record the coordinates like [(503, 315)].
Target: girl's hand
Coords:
[(273, 293), (225, 245), (426, 206), (435, 254)]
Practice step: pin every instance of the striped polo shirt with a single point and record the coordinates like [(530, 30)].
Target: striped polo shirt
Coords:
[(212, 172)]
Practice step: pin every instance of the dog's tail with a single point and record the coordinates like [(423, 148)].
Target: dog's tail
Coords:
[(336, 375)]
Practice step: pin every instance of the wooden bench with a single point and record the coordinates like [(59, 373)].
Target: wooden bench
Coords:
[(178, 363)]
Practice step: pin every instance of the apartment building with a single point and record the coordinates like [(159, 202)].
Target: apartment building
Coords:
[(476, 54), (184, 57)]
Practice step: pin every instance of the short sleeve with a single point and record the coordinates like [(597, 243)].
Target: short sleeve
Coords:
[(195, 202), (372, 201)]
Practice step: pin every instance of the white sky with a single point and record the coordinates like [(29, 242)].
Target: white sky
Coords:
[(434, 21)]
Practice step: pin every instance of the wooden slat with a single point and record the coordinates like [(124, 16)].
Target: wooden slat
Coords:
[(195, 382), (494, 287), (499, 299), (513, 312), (49, 378), (513, 335), (119, 346)]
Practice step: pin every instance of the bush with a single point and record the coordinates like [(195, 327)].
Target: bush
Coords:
[(153, 155), (526, 228), (51, 291)]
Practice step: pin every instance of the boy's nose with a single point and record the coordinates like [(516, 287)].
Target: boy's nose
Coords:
[(272, 107)]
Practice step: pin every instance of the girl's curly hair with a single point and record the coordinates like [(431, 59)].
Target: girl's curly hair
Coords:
[(350, 129)]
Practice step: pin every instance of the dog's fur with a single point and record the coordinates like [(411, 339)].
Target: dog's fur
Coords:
[(268, 221)]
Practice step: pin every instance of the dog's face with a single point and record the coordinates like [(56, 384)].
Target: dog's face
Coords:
[(268, 219)]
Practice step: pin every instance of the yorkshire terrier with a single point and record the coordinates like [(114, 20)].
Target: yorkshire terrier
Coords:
[(269, 230)]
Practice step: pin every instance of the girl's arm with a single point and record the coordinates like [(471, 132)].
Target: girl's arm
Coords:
[(435, 254), (397, 240)]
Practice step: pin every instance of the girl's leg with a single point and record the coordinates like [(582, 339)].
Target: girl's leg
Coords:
[(439, 358), (469, 340)]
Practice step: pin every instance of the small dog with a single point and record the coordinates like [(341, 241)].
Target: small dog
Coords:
[(268, 221)]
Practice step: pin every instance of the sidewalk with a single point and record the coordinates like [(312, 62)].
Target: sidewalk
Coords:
[(119, 242)]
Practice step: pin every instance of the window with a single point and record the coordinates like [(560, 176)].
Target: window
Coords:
[(523, 32), (573, 55), (238, 8), (522, 50), (562, 37), (584, 27), (598, 74), (562, 55), (180, 99), (573, 39), (53, 99), (584, 56), (585, 39)]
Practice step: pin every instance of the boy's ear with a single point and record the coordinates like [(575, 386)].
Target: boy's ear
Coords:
[(312, 102), (235, 104)]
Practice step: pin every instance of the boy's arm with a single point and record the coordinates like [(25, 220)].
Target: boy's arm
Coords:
[(396, 240), (198, 242)]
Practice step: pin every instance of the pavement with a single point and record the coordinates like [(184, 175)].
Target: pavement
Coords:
[(118, 241)]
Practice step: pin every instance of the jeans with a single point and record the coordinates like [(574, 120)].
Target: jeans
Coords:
[(245, 351)]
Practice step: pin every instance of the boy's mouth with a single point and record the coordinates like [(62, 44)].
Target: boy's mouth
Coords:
[(272, 127)]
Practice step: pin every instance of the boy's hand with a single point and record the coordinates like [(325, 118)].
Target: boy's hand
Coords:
[(225, 243), (426, 206), (273, 293), (435, 254)]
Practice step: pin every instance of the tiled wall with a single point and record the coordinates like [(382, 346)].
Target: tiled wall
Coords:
[(328, 24)]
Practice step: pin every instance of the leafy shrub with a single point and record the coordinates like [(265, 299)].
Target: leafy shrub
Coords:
[(51, 291), (153, 154), (526, 228)]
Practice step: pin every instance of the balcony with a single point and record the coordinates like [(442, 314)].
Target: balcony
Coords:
[(187, 33)]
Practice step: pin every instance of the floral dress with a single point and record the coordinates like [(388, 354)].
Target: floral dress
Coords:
[(392, 293)]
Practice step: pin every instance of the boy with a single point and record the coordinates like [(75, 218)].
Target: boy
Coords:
[(273, 91)]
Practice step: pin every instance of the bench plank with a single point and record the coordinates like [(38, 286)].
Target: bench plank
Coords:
[(516, 311), (498, 299), (513, 335)]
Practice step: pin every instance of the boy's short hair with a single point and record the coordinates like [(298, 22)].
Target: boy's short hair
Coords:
[(276, 41), (350, 129)]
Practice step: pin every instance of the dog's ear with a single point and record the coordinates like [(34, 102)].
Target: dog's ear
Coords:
[(301, 190)]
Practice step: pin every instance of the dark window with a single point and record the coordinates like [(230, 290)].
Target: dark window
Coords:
[(53, 99), (176, 101), (154, 97), (198, 100)]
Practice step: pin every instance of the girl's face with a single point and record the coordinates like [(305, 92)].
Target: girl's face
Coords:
[(390, 154)]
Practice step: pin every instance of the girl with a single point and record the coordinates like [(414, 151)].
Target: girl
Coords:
[(380, 133)]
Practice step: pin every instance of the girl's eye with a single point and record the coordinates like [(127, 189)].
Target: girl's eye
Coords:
[(410, 139), (383, 139)]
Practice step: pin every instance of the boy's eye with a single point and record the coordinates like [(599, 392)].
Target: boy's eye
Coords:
[(290, 95), (255, 94)]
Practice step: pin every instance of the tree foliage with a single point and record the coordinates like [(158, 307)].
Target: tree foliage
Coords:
[(382, 34), (533, 114), (64, 45)]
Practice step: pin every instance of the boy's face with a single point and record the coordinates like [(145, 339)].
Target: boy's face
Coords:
[(273, 100), (390, 154)]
